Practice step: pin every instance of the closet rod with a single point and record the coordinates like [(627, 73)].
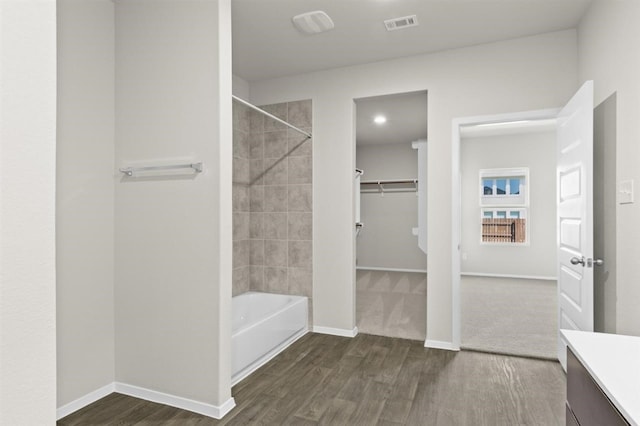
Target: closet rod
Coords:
[(388, 182), (260, 110)]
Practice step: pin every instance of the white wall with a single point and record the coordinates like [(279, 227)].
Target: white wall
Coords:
[(173, 236), (27, 212), (609, 54), (537, 152), (241, 88), (386, 240), (516, 75), (84, 197)]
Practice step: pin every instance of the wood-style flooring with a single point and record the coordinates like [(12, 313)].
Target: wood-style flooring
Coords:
[(369, 380)]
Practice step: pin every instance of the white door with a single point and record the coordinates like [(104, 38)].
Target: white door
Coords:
[(575, 215)]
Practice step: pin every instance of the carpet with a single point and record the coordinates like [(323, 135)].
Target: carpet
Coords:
[(392, 304), (509, 316)]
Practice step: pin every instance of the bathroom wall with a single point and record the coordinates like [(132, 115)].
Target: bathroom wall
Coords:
[(608, 46), (173, 234), (27, 212), (386, 240), (515, 75), (85, 198), (536, 151), (273, 225)]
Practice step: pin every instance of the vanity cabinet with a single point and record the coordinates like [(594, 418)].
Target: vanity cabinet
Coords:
[(587, 405)]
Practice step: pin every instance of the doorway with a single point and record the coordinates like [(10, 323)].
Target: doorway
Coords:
[(574, 212), (495, 282), (391, 277), (508, 286)]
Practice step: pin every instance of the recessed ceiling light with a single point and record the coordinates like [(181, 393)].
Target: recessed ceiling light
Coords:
[(380, 119)]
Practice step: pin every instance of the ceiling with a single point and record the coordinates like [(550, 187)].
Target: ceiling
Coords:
[(266, 44), (406, 119)]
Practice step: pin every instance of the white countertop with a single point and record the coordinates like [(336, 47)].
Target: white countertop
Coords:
[(614, 362)]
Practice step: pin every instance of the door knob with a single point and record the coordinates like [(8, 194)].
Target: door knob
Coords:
[(598, 262), (577, 261)]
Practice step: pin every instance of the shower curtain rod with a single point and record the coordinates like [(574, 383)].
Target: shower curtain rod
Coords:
[(242, 101)]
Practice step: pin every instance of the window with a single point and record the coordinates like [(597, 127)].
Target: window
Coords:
[(504, 203)]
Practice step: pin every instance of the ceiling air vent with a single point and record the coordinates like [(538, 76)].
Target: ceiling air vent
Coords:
[(400, 23)]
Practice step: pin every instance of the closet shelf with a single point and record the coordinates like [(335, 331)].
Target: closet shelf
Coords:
[(389, 185)]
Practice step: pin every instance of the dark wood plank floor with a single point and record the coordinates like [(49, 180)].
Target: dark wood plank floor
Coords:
[(369, 380)]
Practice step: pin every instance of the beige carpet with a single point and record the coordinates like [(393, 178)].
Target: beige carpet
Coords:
[(392, 304), (509, 316)]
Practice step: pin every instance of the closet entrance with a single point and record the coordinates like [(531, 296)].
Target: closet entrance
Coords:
[(391, 189)]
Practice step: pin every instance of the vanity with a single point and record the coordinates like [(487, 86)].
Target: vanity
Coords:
[(603, 379)]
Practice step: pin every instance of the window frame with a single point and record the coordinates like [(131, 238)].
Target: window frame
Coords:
[(505, 202)]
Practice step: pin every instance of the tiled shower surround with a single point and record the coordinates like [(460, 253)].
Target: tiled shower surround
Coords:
[(272, 200)]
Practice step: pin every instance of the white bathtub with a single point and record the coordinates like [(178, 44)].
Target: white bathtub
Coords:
[(263, 325)]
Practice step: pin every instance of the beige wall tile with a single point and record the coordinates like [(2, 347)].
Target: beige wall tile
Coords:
[(256, 200), (275, 252), (240, 144), (299, 113), (240, 280), (240, 197), (300, 170), (300, 281), (256, 252), (256, 278), (275, 280), (256, 122), (299, 198), (280, 111), (298, 144), (275, 144), (240, 253), (300, 253), (240, 170), (300, 226), (240, 226), (256, 146), (276, 171), (256, 225), (256, 172), (275, 198), (275, 226)]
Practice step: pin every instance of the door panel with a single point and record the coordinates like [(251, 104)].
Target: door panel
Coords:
[(575, 215)]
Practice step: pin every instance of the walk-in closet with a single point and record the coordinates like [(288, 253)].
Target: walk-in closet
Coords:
[(390, 228)]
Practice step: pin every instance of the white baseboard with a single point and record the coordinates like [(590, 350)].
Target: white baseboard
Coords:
[(518, 277), (439, 344), (336, 331), (215, 411), (85, 400), (373, 268)]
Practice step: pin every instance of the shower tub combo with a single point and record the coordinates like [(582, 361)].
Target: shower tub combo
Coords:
[(263, 325)]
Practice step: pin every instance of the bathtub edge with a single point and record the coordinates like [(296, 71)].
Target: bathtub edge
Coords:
[(247, 371)]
